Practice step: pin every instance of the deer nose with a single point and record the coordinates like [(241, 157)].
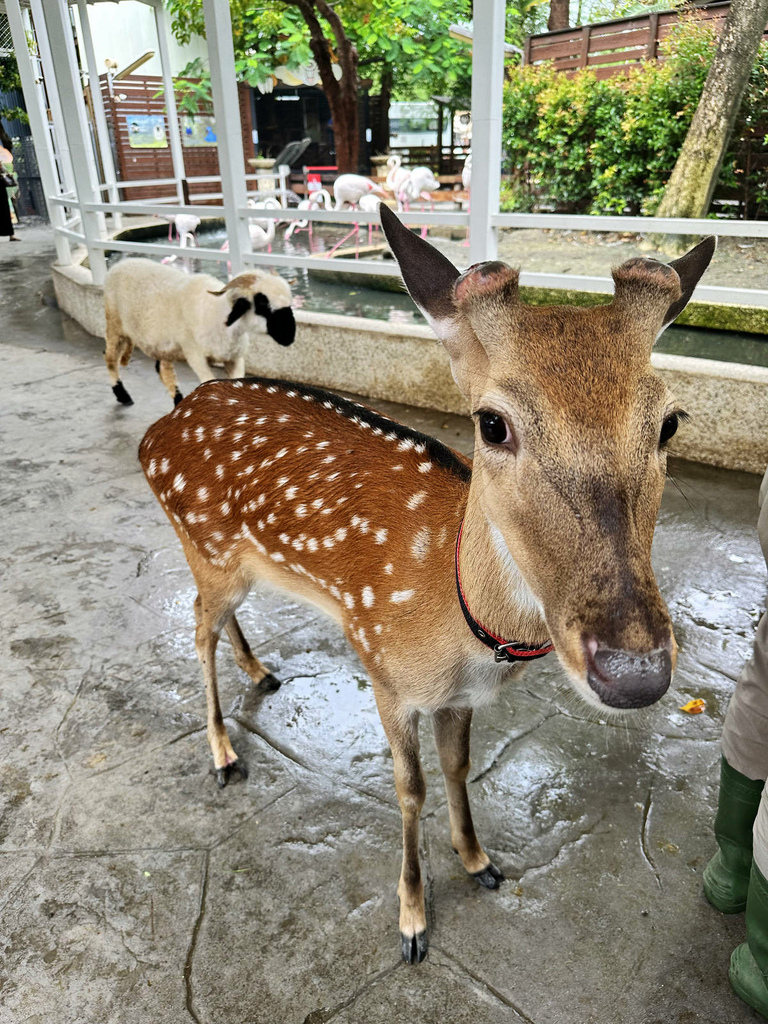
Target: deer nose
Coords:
[(626, 679)]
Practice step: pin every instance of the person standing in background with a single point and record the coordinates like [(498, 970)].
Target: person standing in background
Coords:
[(736, 878), (8, 187)]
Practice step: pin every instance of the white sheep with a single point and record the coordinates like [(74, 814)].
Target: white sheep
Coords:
[(172, 317)]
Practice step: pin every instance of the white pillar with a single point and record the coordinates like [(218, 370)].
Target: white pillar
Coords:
[(38, 122), (221, 57), (67, 83), (162, 26), (49, 77), (102, 130), (487, 94)]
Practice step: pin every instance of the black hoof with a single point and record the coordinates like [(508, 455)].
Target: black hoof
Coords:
[(414, 947), (269, 683), (177, 397), (121, 394), (490, 877), (222, 774), (157, 366)]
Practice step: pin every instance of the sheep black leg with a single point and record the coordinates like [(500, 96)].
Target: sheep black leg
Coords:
[(121, 394)]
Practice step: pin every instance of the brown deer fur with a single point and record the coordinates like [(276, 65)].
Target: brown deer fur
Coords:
[(278, 481)]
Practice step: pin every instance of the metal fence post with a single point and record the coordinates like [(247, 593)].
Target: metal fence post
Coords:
[(162, 27), (67, 83), (38, 122), (487, 94), (221, 57)]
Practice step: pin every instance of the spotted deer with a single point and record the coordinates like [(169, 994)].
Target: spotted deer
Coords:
[(447, 575)]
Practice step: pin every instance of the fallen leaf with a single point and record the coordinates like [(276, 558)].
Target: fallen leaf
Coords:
[(694, 706)]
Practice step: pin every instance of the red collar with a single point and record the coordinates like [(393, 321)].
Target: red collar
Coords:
[(504, 650)]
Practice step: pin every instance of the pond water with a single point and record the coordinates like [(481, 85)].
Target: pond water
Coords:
[(351, 300)]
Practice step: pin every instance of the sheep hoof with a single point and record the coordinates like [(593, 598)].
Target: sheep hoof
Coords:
[(121, 394), (157, 366), (177, 397)]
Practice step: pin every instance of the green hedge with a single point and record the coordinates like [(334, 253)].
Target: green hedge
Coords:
[(577, 144)]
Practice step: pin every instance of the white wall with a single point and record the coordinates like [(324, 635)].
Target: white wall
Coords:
[(123, 31)]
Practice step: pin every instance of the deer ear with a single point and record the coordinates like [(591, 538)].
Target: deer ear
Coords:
[(689, 269), (428, 275)]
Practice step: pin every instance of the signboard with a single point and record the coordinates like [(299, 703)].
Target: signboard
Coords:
[(146, 131), (198, 130)]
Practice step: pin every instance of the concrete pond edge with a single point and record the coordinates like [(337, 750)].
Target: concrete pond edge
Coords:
[(727, 402)]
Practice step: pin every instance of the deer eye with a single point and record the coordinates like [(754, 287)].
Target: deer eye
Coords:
[(668, 428), (494, 429)]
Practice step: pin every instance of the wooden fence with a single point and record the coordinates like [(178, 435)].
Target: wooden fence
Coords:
[(137, 96), (612, 47)]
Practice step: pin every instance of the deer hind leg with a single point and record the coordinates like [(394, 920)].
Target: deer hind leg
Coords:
[(247, 660), (403, 737), (213, 609), (167, 373), (452, 741), (117, 351)]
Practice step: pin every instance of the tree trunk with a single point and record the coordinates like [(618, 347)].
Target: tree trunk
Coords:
[(559, 14), (341, 94), (383, 101), (690, 187)]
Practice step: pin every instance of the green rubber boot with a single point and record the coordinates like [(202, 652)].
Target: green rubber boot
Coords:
[(726, 877), (749, 961)]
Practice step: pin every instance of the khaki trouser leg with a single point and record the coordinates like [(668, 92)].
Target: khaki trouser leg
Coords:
[(745, 733)]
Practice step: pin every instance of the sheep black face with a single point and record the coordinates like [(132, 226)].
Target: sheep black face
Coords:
[(268, 298)]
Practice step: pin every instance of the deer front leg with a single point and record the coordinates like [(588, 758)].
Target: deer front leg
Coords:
[(247, 660), (452, 741), (403, 737), (206, 640)]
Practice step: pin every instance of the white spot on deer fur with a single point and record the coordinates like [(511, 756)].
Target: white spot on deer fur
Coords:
[(260, 420), (202, 493), (328, 542), (309, 433), (312, 544), (332, 476), (152, 467), (271, 390), (322, 444), (380, 536), (391, 436), (335, 592), (225, 509), (235, 456), (242, 419), (246, 533), (349, 601), (297, 544), (260, 524), (405, 444), (424, 467), (271, 518), (281, 454), (442, 536), (389, 568), (368, 597), (219, 472), (179, 483), (284, 418), (199, 433), (191, 517), (291, 492), (399, 596), (207, 453), (258, 439), (329, 458), (236, 436), (325, 511), (327, 405), (218, 431), (341, 534), (165, 466), (420, 448), (378, 628), (301, 511), (254, 387), (262, 498), (300, 449), (317, 503), (397, 468), (308, 398), (187, 413), (247, 471), (277, 556), (313, 476), (237, 384), (363, 639), (421, 542), (415, 500), (290, 394), (282, 481)]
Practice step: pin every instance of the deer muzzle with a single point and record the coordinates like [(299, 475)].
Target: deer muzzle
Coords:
[(627, 679)]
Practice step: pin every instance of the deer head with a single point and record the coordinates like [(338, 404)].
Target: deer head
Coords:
[(570, 455), (260, 301)]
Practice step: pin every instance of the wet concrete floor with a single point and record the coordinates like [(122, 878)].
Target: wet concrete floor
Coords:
[(133, 890)]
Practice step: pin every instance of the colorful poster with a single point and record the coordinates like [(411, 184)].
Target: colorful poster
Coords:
[(198, 130), (146, 131)]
